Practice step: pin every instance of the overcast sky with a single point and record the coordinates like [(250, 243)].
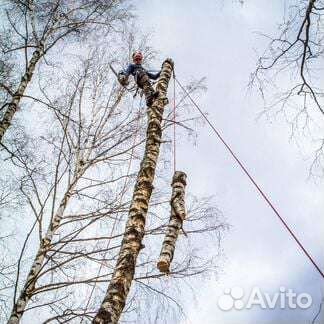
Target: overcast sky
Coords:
[(217, 39)]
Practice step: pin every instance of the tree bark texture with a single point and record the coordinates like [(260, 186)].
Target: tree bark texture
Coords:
[(13, 105), (44, 246), (178, 215), (119, 286)]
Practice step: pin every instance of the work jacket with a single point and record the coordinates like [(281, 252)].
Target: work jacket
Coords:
[(134, 69)]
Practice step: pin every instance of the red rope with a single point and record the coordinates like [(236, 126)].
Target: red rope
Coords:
[(254, 182)]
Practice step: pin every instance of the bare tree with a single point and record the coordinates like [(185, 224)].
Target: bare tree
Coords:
[(33, 28), (88, 138), (75, 175), (292, 63)]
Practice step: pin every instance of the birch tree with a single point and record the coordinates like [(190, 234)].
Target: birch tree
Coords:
[(115, 299), (31, 29), (86, 140), (71, 174), (75, 181)]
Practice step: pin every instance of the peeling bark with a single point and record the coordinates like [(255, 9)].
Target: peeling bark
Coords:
[(13, 105), (118, 289), (178, 215)]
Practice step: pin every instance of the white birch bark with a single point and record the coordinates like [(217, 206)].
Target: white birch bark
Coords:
[(13, 105), (118, 289), (178, 215), (45, 245)]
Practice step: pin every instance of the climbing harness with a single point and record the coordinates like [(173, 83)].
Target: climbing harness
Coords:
[(136, 88)]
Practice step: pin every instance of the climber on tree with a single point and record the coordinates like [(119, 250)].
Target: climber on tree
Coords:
[(142, 77)]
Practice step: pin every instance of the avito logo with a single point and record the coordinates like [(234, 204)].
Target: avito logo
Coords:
[(285, 298)]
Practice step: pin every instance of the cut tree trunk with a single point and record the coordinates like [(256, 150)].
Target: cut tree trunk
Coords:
[(118, 289), (178, 215), (13, 105)]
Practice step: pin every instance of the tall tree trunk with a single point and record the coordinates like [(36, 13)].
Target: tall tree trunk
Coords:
[(13, 105), (118, 289), (178, 215), (44, 246)]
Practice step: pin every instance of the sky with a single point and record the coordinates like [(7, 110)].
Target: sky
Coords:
[(218, 40)]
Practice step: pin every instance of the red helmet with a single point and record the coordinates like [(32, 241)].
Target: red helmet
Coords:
[(137, 57)]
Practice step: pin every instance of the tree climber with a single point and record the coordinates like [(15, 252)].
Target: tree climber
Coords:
[(141, 76)]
